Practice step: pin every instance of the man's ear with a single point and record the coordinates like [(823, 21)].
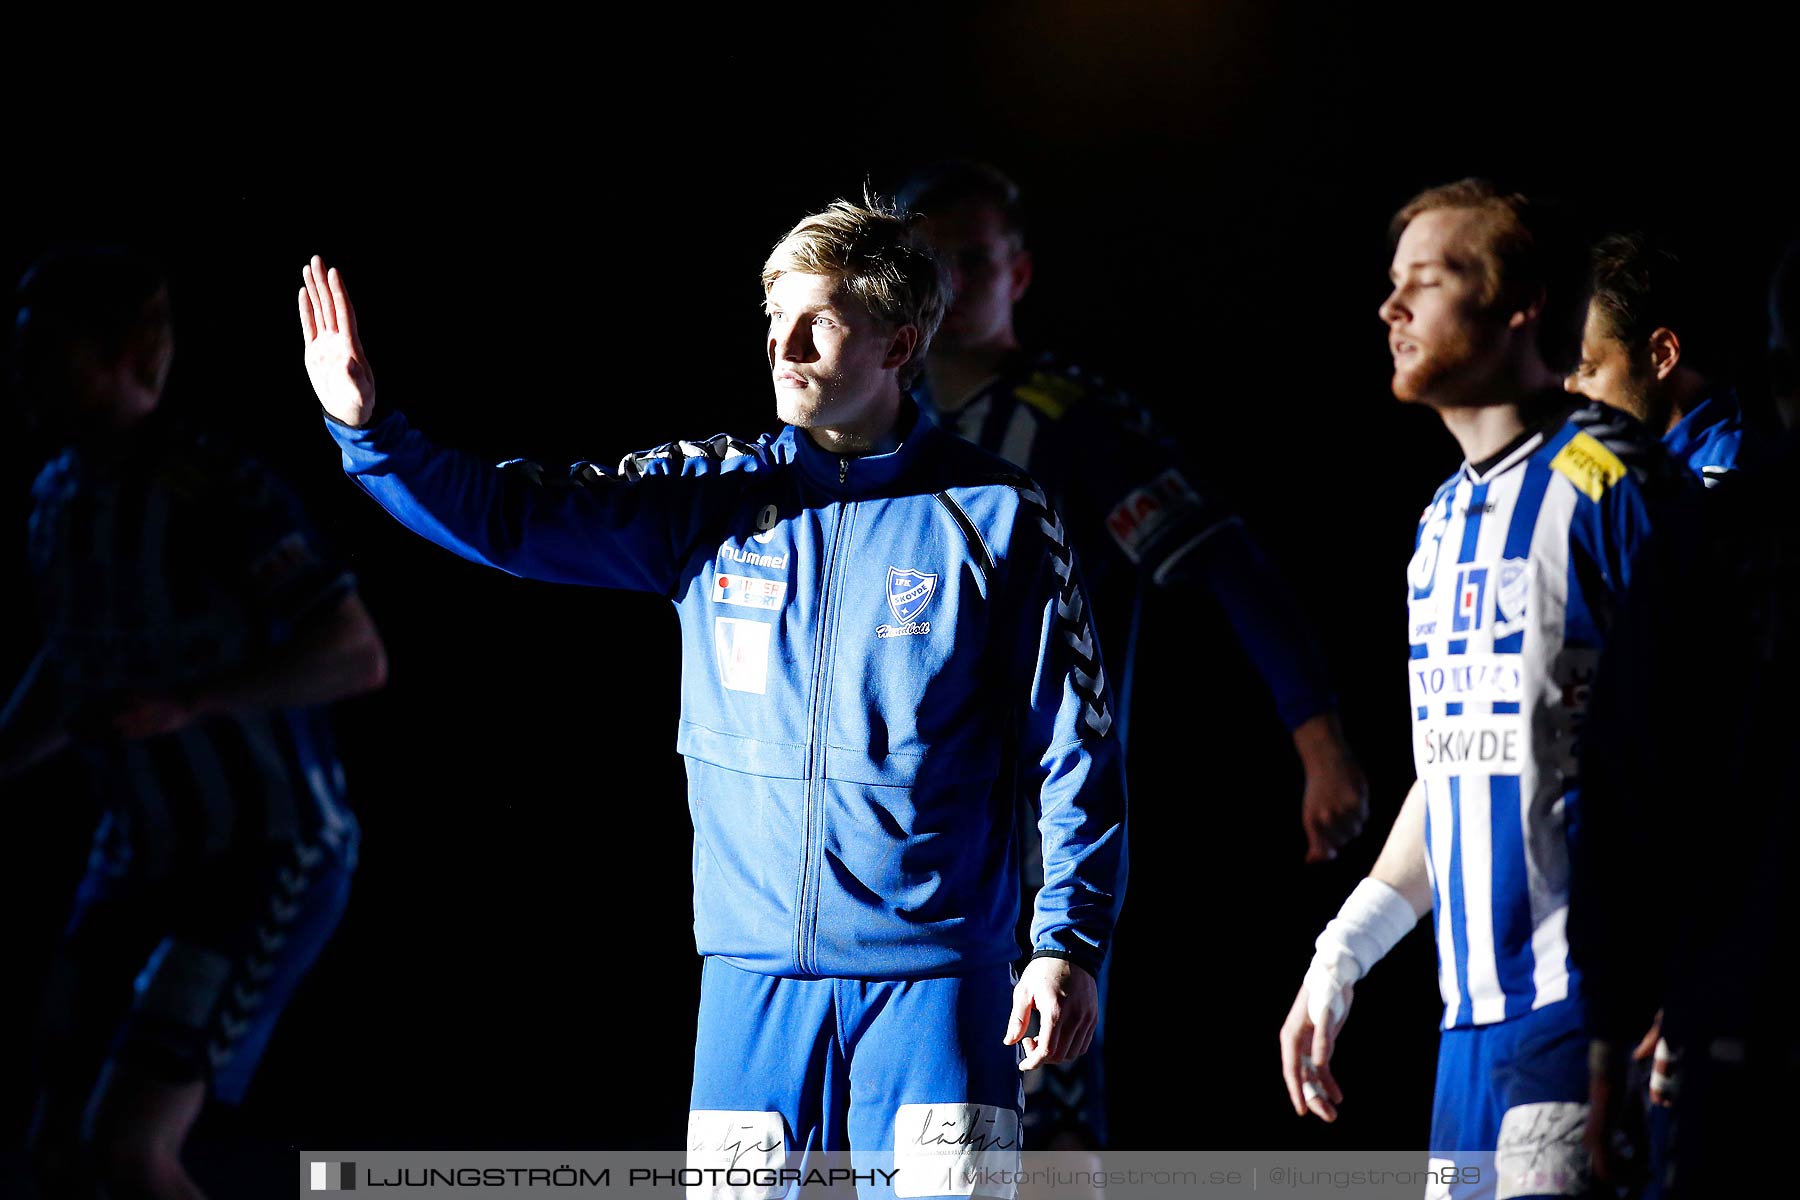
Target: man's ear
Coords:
[(1020, 282), (1532, 310), (1665, 352), (900, 349)]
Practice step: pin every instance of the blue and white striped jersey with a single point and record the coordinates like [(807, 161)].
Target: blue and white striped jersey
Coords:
[(1517, 571)]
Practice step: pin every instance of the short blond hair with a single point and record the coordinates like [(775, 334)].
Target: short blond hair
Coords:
[(874, 253)]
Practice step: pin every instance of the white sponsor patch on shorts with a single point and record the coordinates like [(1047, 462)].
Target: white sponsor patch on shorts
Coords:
[(743, 652), (956, 1150), (732, 1143), (1540, 1151), (1441, 1172), (1460, 1175)]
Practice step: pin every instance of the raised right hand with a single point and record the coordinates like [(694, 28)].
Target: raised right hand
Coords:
[(335, 362)]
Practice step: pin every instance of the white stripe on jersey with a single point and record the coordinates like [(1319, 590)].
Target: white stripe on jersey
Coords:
[(1021, 432), (969, 419), (1483, 862), (1541, 787), (1485, 994), (1437, 858), (1550, 942)]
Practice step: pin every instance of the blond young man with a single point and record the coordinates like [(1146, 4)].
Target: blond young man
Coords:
[(883, 634), (1521, 558)]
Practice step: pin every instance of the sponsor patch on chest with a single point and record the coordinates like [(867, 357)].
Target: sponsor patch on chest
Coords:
[(749, 591), (742, 648)]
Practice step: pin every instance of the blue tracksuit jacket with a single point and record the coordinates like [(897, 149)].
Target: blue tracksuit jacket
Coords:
[(877, 653)]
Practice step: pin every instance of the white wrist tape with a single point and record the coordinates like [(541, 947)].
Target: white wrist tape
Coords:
[(1372, 920)]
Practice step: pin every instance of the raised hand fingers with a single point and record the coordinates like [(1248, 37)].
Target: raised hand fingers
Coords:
[(340, 300), (320, 324), (321, 295), (309, 328), (332, 320)]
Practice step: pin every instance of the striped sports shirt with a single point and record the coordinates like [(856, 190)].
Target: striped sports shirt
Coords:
[(160, 563), (1517, 572)]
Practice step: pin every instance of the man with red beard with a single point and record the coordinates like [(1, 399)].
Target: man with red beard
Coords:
[(1520, 562)]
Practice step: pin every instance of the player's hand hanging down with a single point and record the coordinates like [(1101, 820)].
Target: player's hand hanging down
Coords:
[(1067, 1001), (1308, 1037), (335, 361), (1336, 802)]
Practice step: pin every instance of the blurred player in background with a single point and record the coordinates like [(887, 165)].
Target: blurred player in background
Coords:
[(1784, 326), (1676, 912), (1650, 347), (1137, 516), (192, 626)]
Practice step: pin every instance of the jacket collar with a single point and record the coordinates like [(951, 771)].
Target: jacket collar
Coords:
[(854, 476), (1700, 421)]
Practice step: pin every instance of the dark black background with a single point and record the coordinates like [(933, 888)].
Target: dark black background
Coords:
[(553, 240)]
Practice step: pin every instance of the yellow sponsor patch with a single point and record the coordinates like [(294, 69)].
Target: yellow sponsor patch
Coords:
[(1590, 466), (1049, 394)]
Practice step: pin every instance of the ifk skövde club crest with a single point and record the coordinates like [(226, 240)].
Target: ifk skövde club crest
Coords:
[(908, 592)]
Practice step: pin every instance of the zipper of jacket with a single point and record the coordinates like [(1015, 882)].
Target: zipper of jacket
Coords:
[(806, 920)]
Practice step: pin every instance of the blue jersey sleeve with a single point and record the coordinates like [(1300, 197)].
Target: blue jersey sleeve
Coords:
[(1629, 478), (627, 529), (1267, 619), (1068, 749), (1637, 772)]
